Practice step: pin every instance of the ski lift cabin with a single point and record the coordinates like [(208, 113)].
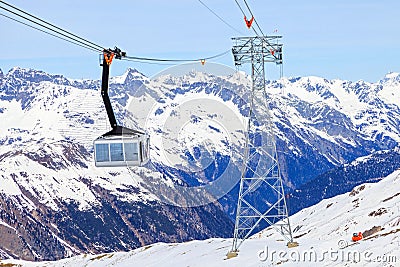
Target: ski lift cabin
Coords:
[(130, 148), (120, 147)]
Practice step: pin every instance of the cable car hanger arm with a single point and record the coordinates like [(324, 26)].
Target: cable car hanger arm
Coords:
[(108, 56)]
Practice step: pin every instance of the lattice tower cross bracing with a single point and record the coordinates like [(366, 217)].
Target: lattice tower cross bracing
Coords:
[(261, 198)]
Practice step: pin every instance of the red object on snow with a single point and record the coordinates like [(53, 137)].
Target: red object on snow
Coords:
[(357, 237)]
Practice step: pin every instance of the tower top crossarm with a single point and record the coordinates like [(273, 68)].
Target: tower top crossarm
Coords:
[(245, 48)]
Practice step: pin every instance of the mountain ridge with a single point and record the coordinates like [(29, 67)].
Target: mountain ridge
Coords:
[(46, 151)]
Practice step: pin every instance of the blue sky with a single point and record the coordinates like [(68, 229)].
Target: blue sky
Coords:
[(352, 40)]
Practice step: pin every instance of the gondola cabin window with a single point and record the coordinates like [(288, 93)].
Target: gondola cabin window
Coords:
[(131, 151), (102, 153), (121, 151)]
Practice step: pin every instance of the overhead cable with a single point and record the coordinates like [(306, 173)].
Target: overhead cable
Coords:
[(48, 24), (237, 3), (220, 18), (177, 60), (147, 62), (52, 30), (49, 33), (62, 34), (244, 14), (251, 13)]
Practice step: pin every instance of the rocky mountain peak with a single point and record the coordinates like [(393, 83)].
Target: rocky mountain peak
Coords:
[(391, 77), (31, 75)]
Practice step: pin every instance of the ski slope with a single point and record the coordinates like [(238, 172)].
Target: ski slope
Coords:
[(323, 231)]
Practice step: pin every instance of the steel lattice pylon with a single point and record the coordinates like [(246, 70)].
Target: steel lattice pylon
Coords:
[(261, 195)]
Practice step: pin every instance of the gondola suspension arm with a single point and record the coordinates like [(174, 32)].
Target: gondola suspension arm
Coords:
[(108, 55)]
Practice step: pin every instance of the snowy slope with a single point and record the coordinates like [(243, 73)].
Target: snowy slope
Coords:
[(321, 229)]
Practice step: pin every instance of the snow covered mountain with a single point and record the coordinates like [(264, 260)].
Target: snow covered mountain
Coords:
[(334, 121), (55, 203), (323, 231), (339, 180), (319, 124)]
